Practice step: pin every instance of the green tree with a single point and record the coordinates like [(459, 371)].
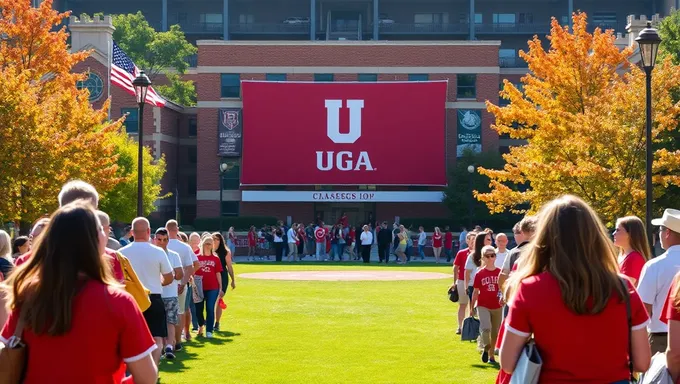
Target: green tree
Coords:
[(462, 186), (121, 201), (158, 53)]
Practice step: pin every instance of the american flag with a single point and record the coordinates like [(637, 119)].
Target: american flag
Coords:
[(124, 71)]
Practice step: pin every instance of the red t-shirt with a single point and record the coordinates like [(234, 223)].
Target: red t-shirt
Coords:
[(448, 240), (197, 251), (320, 235), (565, 339), (252, 240), (461, 258), (209, 267), (669, 311), (436, 240), (632, 264), (487, 283), (116, 268), (351, 235), (107, 329), (344, 221)]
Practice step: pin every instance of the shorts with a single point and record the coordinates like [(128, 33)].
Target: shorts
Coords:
[(401, 248), (462, 292), (155, 317), (182, 301), (171, 310)]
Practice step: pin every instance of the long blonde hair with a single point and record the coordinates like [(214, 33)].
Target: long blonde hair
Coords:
[(572, 244), (637, 235)]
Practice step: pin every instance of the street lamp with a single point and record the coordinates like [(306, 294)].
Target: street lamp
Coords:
[(648, 41), (141, 84), (224, 167), (471, 171)]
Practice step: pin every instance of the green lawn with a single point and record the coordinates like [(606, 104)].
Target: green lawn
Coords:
[(333, 332)]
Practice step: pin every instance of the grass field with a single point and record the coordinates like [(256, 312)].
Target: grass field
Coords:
[(333, 332)]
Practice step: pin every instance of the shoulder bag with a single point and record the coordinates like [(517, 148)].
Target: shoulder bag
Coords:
[(132, 284), (13, 357), (470, 331), (453, 294), (197, 293), (528, 368)]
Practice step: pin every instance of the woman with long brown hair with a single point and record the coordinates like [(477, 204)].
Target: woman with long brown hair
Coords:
[(568, 294), (72, 311), (630, 237), (224, 254)]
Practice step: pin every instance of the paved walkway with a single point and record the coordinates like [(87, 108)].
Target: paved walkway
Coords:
[(345, 275)]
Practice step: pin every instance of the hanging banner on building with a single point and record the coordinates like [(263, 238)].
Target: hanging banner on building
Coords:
[(344, 133), (469, 131), (230, 132)]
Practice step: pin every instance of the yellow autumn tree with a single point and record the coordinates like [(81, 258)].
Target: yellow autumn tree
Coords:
[(49, 132), (582, 113)]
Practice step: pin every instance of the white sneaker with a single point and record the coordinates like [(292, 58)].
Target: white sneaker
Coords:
[(208, 335)]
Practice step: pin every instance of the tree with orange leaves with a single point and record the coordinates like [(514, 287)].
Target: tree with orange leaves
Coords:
[(581, 112), (49, 132)]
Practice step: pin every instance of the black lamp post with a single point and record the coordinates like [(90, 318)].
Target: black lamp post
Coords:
[(471, 208), (648, 41), (224, 167), (141, 84)]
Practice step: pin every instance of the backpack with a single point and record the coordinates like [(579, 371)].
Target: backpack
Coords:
[(470, 331)]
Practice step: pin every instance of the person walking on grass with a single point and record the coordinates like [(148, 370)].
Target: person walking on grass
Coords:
[(292, 242), (211, 278), (170, 293), (320, 236), (189, 266), (366, 243), (422, 241), (448, 244), (227, 271), (437, 240), (502, 250), (384, 241), (485, 299), (252, 242), (459, 277)]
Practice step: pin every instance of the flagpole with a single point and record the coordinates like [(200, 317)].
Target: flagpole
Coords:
[(110, 60)]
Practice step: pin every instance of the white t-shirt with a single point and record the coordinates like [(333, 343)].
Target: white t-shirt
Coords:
[(149, 262), (366, 238), (470, 265), (292, 236), (170, 290), (186, 254), (422, 238), (655, 282), (500, 258)]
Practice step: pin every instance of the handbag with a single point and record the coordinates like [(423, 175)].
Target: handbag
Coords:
[(470, 331), (528, 368), (453, 294), (13, 357), (197, 292), (132, 284), (657, 372), (629, 322)]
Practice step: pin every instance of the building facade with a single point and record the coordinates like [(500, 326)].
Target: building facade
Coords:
[(322, 41)]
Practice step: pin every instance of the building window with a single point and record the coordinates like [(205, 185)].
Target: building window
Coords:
[(431, 18), (191, 185), (367, 188), (367, 77), (526, 18), (231, 85), (246, 19), (181, 18), (231, 179), (131, 123), (604, 20), (323, 77), (418, 77), (192, 155), (464, 18), (230, 208), (466, 87), (507, 57), (504, 18), (193, 126), (276, 77)]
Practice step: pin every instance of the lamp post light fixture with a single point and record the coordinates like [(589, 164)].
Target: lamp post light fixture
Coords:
[(224, 167), (648, 41), (471, 171), (141, 84)]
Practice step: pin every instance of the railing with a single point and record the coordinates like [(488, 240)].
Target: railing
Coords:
[(512, 62), (301, 28), (512, 28), (416, 28), (201, 27), (192, 61)]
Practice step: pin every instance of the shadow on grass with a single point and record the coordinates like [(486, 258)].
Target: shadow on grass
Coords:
[(191, 351), (486, 366), (348, 264)]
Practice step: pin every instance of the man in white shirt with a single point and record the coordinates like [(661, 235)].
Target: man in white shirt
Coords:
[(292, 241), (190, 265), (657, 276), (366, 239), (154, 271), (170, 293), (501, 251)]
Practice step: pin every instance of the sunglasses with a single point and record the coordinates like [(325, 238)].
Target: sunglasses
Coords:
[(490, 255)]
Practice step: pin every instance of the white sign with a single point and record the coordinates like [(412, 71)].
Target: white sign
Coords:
[(344, 196)]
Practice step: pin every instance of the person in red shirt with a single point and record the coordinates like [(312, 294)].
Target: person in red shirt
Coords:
[(437, 240), (566, 293), (210, 272), (344, 220), (252, 241), (351, 238), (302, 240), (448, 243), (671, 315), (485, 299), (79, 310), (630, 237), (459, 277)]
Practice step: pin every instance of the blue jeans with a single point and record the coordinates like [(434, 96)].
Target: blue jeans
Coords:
[(421, 251), (339, 249), (232, 247), (192, 308), (209, 300), (320, 250), (408, 252)]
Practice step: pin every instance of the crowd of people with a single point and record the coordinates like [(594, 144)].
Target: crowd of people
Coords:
[(567, 283), (73, 294)]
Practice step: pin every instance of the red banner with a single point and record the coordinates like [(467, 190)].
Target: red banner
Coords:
[(344, 133)]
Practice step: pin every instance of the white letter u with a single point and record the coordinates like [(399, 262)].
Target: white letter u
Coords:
[(333, 121)]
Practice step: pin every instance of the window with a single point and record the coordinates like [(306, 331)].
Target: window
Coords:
[(478, 18), (526, 18), (231, 85), (418, 77), (246, 19), (180, 18), (464, 18), (210, 18), (323, 77), (466, 87), (230, 208), (231, 179), (368, 77), (131, 123), (192, 155), (605, 20), (276, 77), (367, 188), (193, 126), (507, 57), (564, 20), (191, 185), (504, 18), (431, 18)]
